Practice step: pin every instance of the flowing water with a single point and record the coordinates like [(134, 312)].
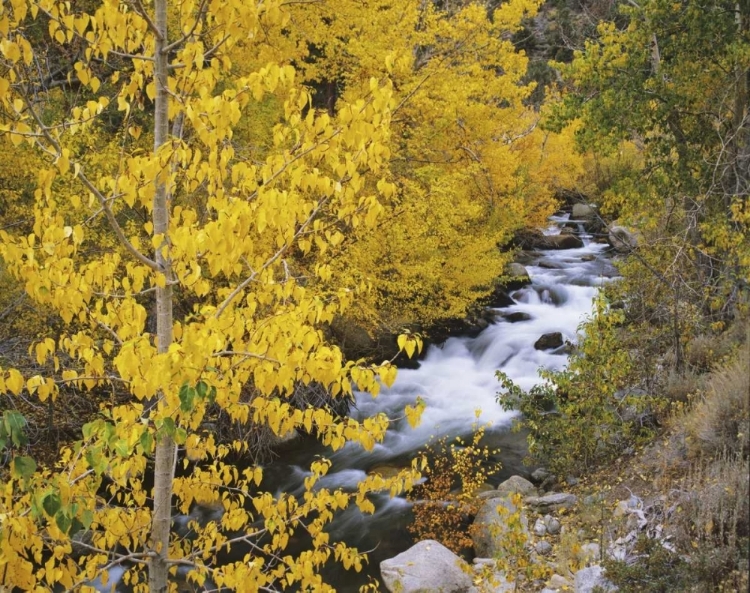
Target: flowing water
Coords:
[(456, 381)]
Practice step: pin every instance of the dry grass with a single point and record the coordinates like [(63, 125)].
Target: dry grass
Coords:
[(679, 387), (696, 478), (720, 421)]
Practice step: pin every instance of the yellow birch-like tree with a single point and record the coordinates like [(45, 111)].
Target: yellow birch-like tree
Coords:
[(115, 245), (469, 162)]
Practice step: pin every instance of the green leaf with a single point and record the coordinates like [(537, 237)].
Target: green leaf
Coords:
[(202, 389), (63, 521), (87, 518), (96, 460), (87, 430), (180, 436), (121, 448), (51, 503), (24, 466), (212, 395), (187, 396), (167, 427), (147, 442), (75, 527), (14, 423)]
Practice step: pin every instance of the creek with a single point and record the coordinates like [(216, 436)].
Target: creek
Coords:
[(456, 380)]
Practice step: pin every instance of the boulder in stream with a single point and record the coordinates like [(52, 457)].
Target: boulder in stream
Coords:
[(516, 276), (583, 212), (536, 240), (622, 240), (426, 567), (549, 341), (565, 241), (516, 316)]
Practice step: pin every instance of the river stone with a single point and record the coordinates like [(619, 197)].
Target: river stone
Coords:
[(583, 212), (622, 240), (552, 502), (553, 525), (535, 240), (540, 529), (558, 582), (517, 484), (561, 242), (490, 525), (540, 474), (587, 579), (384, 471), (543, 548), (426, 567), (516, 316), (353, 338), (516, 276), (549, 341)]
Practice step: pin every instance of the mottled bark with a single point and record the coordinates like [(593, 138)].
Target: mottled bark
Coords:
[(165, 449)]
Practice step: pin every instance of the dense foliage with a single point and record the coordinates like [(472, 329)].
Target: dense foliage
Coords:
[(193, 193)]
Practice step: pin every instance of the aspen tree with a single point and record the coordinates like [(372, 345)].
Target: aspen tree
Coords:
[(222, 231)]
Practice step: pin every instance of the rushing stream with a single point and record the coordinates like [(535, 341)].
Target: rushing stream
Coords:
[(455, 380)]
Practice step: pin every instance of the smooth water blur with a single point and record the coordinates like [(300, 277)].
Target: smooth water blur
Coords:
[(458, 385)]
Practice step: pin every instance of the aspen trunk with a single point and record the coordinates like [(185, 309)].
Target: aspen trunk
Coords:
[(165, 449)]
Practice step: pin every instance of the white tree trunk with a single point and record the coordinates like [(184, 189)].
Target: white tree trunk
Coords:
[(165, 449)]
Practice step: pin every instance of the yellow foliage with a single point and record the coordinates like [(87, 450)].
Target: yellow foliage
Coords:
[(155, 201)]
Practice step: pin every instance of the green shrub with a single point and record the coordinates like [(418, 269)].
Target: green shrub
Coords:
[(657, 570), (589, 412)]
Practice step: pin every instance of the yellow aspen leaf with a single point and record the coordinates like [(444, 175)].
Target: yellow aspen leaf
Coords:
[(14, 381)]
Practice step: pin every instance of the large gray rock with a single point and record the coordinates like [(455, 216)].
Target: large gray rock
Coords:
[(540, 474), (561, 242), (582, 212), (535, 240), (426, 567), (490, 526), (549, 341), (621, 239), (587, 579), (517, 272), (517, 485), (552, 502)]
